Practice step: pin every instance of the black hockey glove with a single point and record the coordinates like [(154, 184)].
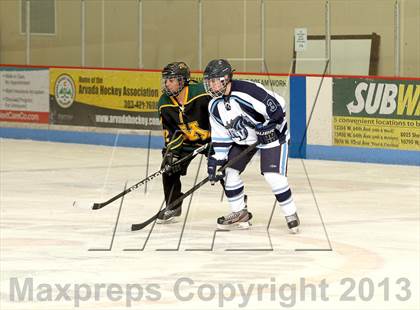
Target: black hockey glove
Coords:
[(212, 165), (169, 162), (266, 134)]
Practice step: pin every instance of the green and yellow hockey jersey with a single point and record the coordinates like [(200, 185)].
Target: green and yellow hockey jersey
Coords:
[(185, 126)]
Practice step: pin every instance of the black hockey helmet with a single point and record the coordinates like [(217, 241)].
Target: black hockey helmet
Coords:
[(175, 70), (217, 70)]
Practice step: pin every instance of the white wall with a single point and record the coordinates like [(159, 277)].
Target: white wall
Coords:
[(320, 127)]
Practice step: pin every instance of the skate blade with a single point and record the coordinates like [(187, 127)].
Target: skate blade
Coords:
[(294, 230), (235, 226), (169, 221)]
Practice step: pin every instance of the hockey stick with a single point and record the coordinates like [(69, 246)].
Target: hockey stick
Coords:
[(99, 205), (140, 226)]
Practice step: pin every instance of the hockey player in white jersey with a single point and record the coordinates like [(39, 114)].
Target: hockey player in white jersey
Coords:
[(243, 113)]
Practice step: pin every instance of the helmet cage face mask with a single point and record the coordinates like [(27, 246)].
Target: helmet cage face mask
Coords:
[(178, 71), (216, 87), (217, 76), (169, 79)]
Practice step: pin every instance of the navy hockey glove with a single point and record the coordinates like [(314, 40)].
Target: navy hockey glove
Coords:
[(169, 162), (212, 164), (266, 134)]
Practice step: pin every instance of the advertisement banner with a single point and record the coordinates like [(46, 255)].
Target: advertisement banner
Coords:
[(104, 98), (24, 95), (277, 83), (376, 113), (119, 99)]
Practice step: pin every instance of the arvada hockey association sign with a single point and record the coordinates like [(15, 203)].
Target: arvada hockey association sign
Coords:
[(104, 98)]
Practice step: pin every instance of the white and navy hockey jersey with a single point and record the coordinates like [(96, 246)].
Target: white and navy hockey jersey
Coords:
[(233, 118)]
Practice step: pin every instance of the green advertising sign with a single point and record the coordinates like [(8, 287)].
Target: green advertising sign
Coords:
[(376, 98), (376, 113)]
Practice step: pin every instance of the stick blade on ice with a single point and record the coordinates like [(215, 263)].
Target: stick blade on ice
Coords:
[(96, 206)]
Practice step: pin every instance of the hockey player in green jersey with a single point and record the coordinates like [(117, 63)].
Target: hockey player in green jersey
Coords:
[(183, 112)]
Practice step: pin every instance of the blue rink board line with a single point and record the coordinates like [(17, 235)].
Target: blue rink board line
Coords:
[(297, 124), (340, 153), (361, 154), (121, 140)]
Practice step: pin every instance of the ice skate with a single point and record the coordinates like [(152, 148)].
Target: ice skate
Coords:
[(235, 220), (293, 223), (168, 216)]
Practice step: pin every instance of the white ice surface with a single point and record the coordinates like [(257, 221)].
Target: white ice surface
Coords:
[(370, 212)]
